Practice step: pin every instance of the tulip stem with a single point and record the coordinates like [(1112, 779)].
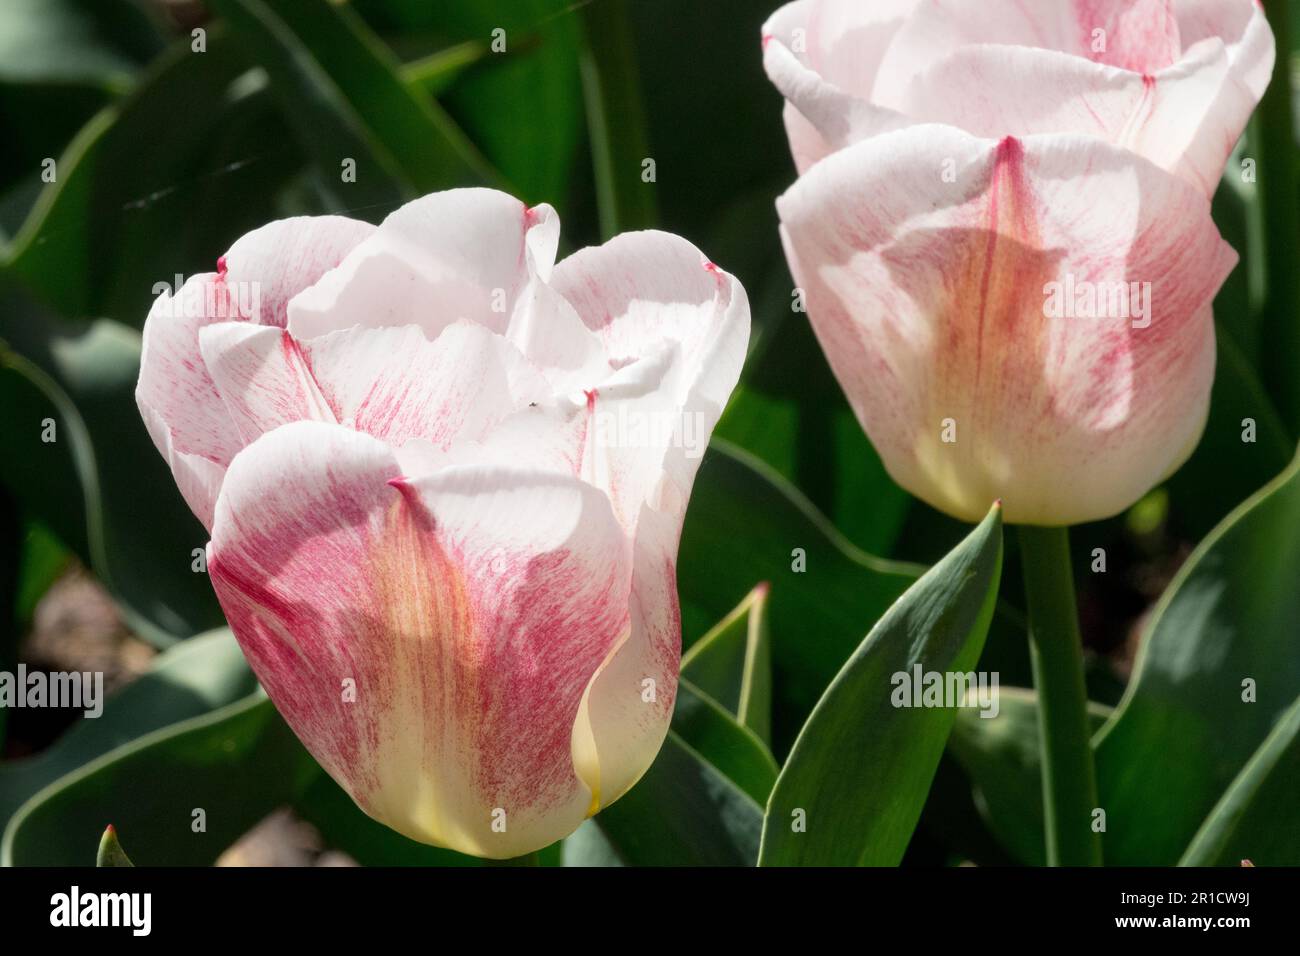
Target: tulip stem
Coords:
[(1056, 650)]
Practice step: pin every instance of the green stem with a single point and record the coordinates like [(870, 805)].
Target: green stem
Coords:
[(1069, 780)]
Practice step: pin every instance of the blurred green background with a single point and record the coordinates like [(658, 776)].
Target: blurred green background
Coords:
[(162, 155)]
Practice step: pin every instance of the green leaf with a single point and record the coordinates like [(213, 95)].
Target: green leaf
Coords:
[(111, 227), (715, 735), (746, 524), (1184, 729), (193, 678), (522, 106), (615, 122), (343, 96), (733, 664), (861, 768), (683, 812), (110, 851), (1256, 818), (235, 765), (1001, 756), (101, 487)]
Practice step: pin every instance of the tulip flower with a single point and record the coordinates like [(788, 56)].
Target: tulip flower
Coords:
[(452, 577), (1002, 233)]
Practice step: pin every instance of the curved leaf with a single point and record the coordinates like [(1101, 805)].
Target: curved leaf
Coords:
[(746, 524), (191, 679), (855, 782), (185, 792), (1256, 819), (733, 664), (1217, 668)]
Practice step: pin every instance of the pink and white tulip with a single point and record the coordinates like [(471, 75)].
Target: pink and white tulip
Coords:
[(964, 163), (458, 591)]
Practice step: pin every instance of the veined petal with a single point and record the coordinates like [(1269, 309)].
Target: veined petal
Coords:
[(267, 267), (1137, 35), (676, 328), (1242, 26), (467, 610), (843, 41), (262, 377), (395, 384), (460, 254), (177, 397), (1185, 119), (833, 118), (934, 300)]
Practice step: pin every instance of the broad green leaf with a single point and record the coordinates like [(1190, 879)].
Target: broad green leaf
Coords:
[(716, 736), (1256, 818), (101, 486), (343, 96), (1001, 756), (746, 524), (684, 811), (855, 782), (193, 678), (112, 227), (522, 106), (110, 851), (1217, 668), (733, 663), (226, 770)]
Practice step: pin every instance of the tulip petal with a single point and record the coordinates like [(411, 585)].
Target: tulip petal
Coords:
[(468, 609), (1242, 26), (395, 384), (1137, 35), (843, 40), (460, 254), (676, 327), (267, 267), (262, 376), (833, 118), (1185, 119), (929, 284), (177, 397)]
